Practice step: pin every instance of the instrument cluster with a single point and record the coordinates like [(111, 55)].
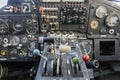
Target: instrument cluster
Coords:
[(19, 24), (60, 15), (19, 30), (104, 20), (18, 37), (17, 48), (65, 20), (70, 36), (18, 6)]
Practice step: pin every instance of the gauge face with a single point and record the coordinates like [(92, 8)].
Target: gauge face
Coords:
[(18, 27), (24, 40), (22, 52), (101, 12), (31, 29), (3, 27), (112, 20), (13, 52), (15, 40), (32, 46), (94, 24), (86, 47)]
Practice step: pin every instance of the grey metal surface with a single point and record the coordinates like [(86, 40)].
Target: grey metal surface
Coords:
[(82, 64), (64, 76)]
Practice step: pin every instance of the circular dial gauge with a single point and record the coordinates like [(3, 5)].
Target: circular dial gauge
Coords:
[(94, 24), (18, 27), (112, 20), (15, 40), (22, 52), (13, 52), (31, 29), (86, 47), (32, 46), (101, 12), (4, 28), (24, 39)]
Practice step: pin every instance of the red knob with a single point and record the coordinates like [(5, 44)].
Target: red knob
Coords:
[(86, 57)]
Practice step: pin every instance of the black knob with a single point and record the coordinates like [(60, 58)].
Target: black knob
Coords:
[(93, 64), (103, 30)]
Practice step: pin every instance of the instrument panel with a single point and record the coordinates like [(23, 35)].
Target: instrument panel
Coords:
[(17, 47), (18, 6), (70, 36), (19, 24), (104, 20), (60, 18), (22, 22), (19, 30), (60, 15)]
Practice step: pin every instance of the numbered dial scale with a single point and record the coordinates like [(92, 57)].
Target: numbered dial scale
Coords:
[(112, 20)]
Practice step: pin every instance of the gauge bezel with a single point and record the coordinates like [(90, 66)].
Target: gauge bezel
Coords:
[(11, 54), (24, 49), (97, 12), (13, 42), (6, 26), (16, 30), (25, 38), (33, 26), (35, 45), (108, 18), (93, 26)]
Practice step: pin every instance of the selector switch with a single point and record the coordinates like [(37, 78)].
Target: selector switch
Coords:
[(26, 7)]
